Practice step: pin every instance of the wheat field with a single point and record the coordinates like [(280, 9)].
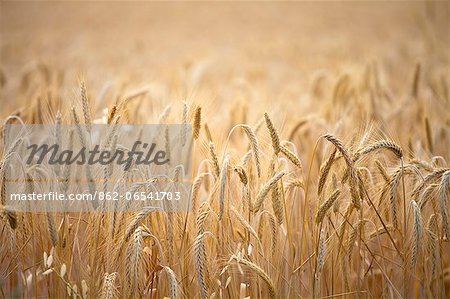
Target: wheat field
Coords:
[(320, 152)]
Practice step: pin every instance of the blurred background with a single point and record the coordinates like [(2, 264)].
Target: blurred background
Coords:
[(271, 51)]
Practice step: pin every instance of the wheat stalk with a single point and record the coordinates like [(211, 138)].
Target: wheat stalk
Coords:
[(255, 268)]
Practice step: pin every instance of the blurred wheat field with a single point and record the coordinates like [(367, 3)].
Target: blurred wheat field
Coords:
[(321, 165)]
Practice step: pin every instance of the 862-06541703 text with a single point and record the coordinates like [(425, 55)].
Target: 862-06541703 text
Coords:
[(57, 196)]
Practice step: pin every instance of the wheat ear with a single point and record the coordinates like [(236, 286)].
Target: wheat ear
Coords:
[(242, 174), (443, 198), (10, 215), (197, 123), (350, 164), (429, 135), (200, 262), (426, 196), (277, 205), (196, 189), (262, 194), (85, 105), (433, 242), (323, 209), (143, 213), (52, 228), (203, 212), (173, 282), (417, 234), (254, 145), (184, 119), (416, 81), (244, 222), (324, 171), (322, 252), (133, 258), (383, 144), (223, 184), (273, 229), (109, 290), (291, 156), (382, 171), (273, 134), (215, 159), (112, 114)]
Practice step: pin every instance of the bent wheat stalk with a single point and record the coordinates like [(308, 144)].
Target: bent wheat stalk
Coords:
[(259, 271)]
